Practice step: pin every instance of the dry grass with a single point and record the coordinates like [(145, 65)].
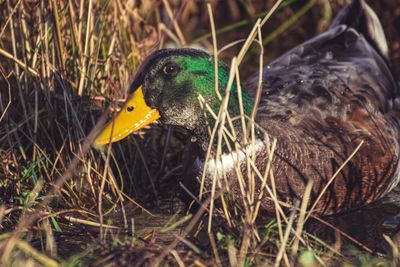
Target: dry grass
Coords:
[(64, 203)]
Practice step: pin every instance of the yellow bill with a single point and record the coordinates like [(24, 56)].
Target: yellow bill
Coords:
[(133, 116)]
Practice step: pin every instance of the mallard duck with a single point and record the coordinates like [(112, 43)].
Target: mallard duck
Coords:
[(320, 100)]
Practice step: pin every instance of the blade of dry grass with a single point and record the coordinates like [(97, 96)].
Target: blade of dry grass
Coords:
[(174, 22), (58, 34), (85, 56), (43, 259), (303, 210), (215, 47), (19, 62), (282, 249)]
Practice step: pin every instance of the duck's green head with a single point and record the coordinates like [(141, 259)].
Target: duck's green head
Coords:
[(167, 87)]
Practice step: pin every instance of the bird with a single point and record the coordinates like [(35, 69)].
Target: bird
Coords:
[(331, 103)]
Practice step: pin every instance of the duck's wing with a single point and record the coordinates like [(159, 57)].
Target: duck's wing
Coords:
[(312, 70), (359, 16), (322, 99), (354, 49)]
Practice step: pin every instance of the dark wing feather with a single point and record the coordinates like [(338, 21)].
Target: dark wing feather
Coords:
[(359, 16)]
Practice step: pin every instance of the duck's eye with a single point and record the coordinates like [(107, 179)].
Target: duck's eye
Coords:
[(130, 108), (171, 70)]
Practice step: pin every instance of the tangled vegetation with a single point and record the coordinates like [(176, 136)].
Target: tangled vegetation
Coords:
[(65, 204)]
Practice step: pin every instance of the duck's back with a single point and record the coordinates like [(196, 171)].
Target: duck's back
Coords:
[(321, 100), (347, 62)]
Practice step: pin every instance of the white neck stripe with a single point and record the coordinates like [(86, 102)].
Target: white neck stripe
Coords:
[(228, 161)]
